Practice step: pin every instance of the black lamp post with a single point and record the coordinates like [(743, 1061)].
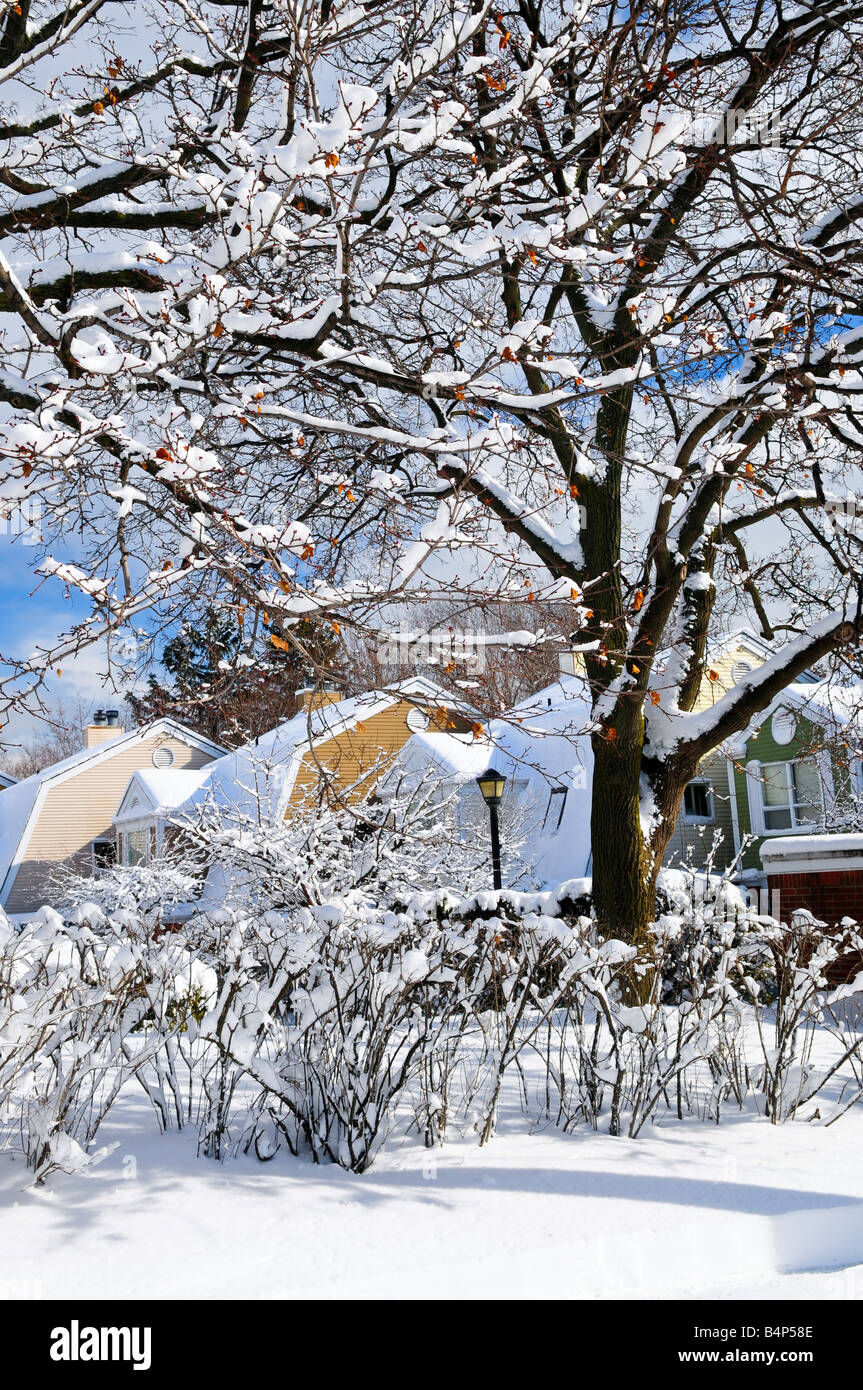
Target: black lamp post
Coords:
[(492, 785)]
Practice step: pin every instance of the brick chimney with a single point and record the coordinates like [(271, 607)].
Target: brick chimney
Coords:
[(106, 725)]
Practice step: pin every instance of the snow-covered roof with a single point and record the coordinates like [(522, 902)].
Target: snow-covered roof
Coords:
[(158, 791), (785, 845), (7, 780), (259, 776), (455, 757), (813, 854), (750, 641), (841, 704), (543, 744), (420, 688), (19, 804), (830, 706)]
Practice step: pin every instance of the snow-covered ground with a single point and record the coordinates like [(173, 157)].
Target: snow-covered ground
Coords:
[(742, 1210)]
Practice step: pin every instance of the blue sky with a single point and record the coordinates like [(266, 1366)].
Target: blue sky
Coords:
[(33, 611)]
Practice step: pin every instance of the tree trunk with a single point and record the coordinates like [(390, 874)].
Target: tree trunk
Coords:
[(623, 876), (626, 864)]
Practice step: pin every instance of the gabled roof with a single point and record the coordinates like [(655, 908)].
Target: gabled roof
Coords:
[(829, 706), (22, 802), (745, 638), (544, 741), (419, 688), (544, 736), (259, 776), (156, 792)]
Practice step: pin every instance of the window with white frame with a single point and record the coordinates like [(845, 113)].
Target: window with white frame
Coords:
[(136, 847), (698, 801), (790, 795)]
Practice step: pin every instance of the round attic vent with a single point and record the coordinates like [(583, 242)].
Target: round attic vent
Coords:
[(783, 726), (739, 671), (417, 721), (163, 757)]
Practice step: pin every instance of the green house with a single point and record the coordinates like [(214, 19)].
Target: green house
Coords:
[(794, 771)]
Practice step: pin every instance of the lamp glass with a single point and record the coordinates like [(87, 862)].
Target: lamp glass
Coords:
[(492, 785)]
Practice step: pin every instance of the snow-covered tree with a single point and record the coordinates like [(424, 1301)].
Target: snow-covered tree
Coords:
[(324, 306)]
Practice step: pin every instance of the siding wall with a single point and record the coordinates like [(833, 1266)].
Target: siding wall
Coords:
[(765, 749), (358, 757), (691, 843), (762, 747), (80, 810)]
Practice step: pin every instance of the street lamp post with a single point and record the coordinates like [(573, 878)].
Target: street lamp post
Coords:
[(492, 785)]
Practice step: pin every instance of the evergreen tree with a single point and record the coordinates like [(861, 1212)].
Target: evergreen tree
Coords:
[(228, 686)]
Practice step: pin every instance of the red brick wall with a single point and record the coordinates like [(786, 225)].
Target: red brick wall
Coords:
[(828, 896)]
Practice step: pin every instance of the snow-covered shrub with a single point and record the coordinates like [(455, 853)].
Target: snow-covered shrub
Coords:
[(700, 918), (527, 968), (73, 999), (389, 849), (283, 1016), (803, 951), (148, 894), (367, 999)]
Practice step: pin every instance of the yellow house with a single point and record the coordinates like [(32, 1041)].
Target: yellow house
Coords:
[(61, 819), (333, 748)]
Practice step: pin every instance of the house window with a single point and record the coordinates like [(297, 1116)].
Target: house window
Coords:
[(698, 801), (554, 809), (136, 847), (104, 854), (790, 795)]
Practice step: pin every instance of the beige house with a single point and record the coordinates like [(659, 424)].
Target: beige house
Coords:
[(61, 819)]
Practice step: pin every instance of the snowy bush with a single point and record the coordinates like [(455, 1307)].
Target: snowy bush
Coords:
[(73, 999), (327, 1026)]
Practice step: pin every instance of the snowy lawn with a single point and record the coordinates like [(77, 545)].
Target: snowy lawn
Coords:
[(742, 1210)]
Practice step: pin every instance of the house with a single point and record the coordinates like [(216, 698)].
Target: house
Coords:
[(61, 819), (787, 771), (125, 794), (543, 749), (6, 780), (332, 746)]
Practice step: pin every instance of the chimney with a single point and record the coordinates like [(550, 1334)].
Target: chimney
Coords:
[(571, 663), (315, 697), (106, 725)]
